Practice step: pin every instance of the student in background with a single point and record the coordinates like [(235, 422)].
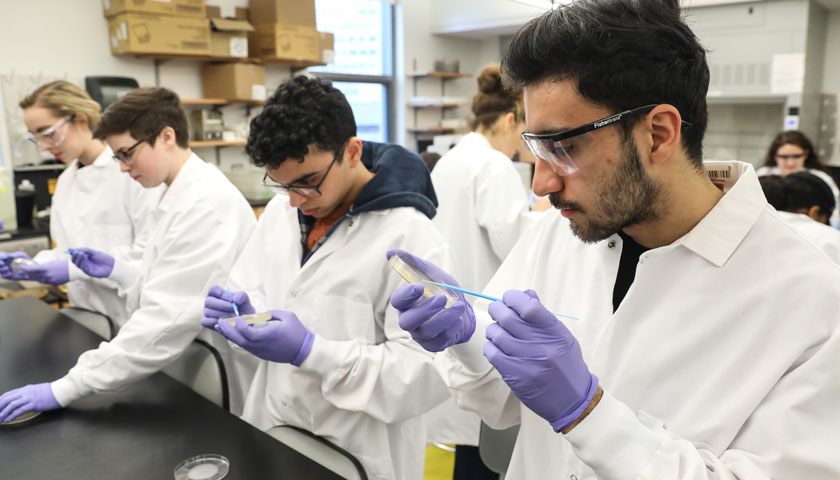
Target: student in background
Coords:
[(198, 228), (94, 204), (805, 202), (791, 151), (334, 361)]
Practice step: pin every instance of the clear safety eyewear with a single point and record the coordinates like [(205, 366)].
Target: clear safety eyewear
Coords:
[(126, 157), (309, 191), (568, 151), (796, 157), (53, 136)]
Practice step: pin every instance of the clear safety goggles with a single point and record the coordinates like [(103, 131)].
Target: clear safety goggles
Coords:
[(53, 136), (568, 151)]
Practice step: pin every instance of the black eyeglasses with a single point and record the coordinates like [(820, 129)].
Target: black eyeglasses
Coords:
[(124, 156), (309, 191)]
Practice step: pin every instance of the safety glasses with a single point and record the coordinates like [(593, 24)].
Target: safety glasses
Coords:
[(53, 136), (126, 157), (309, 191), (569, 151)]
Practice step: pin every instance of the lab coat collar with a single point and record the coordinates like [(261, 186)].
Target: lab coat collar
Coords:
[(171, 194), (105, 159), (720, 232)]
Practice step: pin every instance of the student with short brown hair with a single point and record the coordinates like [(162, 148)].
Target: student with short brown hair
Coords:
[(93, 203), (198, 228)]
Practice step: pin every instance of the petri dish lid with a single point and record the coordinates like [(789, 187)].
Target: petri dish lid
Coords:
[(203, 467), (22, 418), (412, 275), (256, 320), (16, 263)]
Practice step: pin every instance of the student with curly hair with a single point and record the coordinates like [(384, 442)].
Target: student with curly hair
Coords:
[(335, 361)]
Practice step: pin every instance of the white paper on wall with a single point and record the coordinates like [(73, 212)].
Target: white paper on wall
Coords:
[(787, 73)]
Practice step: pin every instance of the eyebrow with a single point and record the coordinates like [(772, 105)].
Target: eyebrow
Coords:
[(307, 177), (548, 131)]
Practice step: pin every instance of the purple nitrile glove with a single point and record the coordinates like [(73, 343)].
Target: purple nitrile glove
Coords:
[(218, 304), (93, 262), (539, 359), (31, 398), (430, 324), (54, 272), (284, 339), (6, 270)]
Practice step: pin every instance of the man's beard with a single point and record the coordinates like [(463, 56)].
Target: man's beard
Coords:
[(627, 197)]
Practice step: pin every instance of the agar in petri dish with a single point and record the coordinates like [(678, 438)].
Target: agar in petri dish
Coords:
[(22, 418), (203, 467), (256, 320), (412, 275), (16, 263)]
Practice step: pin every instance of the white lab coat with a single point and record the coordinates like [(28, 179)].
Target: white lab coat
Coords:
[(365, 383), (483, 210), (720, 362), (822, 236), (835, 215), (199, 227), (99, 207)]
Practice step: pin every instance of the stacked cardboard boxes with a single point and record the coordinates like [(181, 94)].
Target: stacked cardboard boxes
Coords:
[(173, 27), (285, 29)]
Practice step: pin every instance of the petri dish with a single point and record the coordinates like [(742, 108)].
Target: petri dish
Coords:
[(256, 320), (203, 467), (16, 263), (412, 275), (22, 418)]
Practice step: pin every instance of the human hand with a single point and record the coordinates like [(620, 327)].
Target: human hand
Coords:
[(31, 398), (219, 304), (539, 359), (6, 270), (284, 339), (93, 262), (430, 324), (54, 272)]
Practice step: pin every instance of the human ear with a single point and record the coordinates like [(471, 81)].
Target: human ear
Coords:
[(664, 125)]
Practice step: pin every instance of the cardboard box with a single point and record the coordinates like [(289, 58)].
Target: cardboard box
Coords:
[(288, 12), (326, 45), (293, 42), (239, 13), (185, 8), (161, 34), (233, 81), (229, 38)]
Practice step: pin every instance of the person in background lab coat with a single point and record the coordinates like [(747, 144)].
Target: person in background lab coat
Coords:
[(93, 204), (335, 362), (199, 227), (483, 211), (791, 151), (706, 337), (805, 202)]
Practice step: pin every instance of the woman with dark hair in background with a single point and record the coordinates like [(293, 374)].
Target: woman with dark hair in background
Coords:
[(792, 151)]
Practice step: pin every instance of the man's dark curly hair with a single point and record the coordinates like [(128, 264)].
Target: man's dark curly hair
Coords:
[(301, 112)]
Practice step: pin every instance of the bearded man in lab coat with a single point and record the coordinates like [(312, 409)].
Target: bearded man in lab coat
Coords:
[(334, 360), (699, 351)]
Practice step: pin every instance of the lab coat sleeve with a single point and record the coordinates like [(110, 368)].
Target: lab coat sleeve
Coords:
[(792, 433), (391, 381), (501, 206), (197, 251), (45, 256)]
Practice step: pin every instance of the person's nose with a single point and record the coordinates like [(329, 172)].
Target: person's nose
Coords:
[(124, 168), (296, 199), (545, 180)]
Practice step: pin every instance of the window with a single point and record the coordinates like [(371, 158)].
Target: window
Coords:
[(364, 60)]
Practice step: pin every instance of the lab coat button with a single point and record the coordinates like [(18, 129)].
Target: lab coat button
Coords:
[(573, 477), (611, 244), (351, 223)]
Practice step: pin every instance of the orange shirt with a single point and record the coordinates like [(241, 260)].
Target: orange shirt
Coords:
[(323, 225)]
